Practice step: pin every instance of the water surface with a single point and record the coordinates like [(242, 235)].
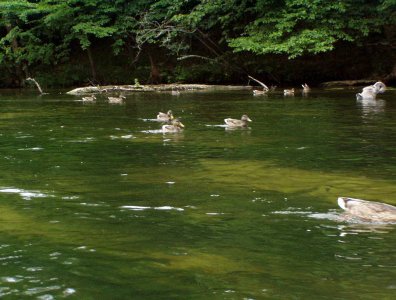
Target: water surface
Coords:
[(97, 203)]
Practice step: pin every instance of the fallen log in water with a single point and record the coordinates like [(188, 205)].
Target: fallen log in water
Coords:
[(149, 88), (343, 83)]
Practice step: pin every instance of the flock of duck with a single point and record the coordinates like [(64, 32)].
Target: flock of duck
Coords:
[(174, 124), (115, 100), (355, 208), (287, 92), (368, 93)]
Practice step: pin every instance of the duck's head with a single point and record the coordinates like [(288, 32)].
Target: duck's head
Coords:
[(170, 114), (379, 87), (177, 123), (246, 118)]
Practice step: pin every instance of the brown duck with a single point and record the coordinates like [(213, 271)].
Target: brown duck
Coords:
[(368, 210), (243, 122)]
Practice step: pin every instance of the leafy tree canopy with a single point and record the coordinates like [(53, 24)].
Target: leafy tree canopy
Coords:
[(43, 31)]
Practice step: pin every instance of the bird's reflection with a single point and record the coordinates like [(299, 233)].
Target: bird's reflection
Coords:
[(372, 107), (362, 227)]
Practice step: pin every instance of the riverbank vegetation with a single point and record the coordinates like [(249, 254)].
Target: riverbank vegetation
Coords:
[(73, 42)]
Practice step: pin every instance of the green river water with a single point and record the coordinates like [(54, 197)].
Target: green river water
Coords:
[(95, 203)]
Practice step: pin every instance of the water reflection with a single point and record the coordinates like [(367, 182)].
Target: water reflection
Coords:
[(372, 107), (359, 228)]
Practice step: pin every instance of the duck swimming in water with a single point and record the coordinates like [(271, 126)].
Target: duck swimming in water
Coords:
[(243, 122), (116, 100), (368, 210), (176, 126), (89, 98), (306, 88), (260, 92), (288, 92), (165, 117), (370, 92)]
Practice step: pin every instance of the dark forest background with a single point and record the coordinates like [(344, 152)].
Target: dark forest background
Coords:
[(77, 42)]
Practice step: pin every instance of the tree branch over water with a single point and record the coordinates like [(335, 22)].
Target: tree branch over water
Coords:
[(259, 82), (37, 84)]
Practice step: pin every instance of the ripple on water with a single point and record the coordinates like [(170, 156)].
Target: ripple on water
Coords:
[(10, 279), (153, 131), (83, 140), (31, 149), (42, 289), (25, 194), (139, 208), (125, 137)]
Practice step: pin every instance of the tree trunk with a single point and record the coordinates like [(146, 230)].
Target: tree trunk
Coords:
[(155, 76), (91, 63)]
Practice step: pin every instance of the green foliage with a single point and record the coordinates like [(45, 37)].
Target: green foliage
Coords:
[(300, 27), (34, 33)]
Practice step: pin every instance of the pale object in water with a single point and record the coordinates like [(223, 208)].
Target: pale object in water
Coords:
[(289, 92), (306, 88), (176, 126), (370, 92), (89, 98), (165, 117), (368, 210), (116, 100), (260, 92), (243, 122)]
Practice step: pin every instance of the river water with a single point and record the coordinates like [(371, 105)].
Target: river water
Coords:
[(96, 203)]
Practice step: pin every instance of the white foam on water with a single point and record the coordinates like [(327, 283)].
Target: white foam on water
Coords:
[(27, 195), (169, 208), (135, 207), (155, 131), (218, 125), (138, 208), (31, 149), (125, 137)]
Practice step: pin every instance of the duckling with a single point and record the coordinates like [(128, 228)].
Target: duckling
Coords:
[(370, 92), (306, 88), (89, 98), (288, 92), (368, 210), (165, 117), (243, 122), (119, 99), (176, 126)]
